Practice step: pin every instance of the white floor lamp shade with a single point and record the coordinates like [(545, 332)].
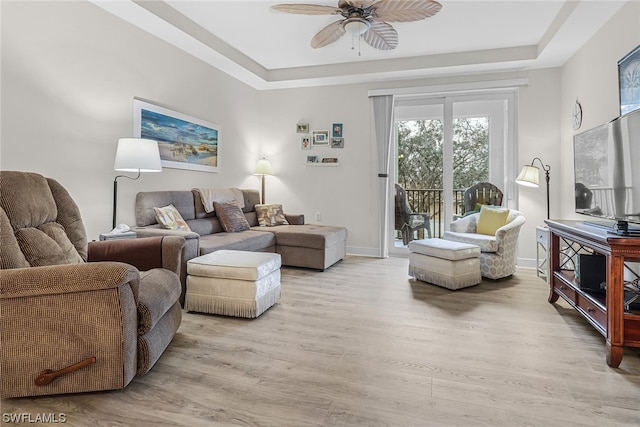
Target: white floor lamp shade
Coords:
[(134, 155), (137, 155), (530, 177), (263, 168)]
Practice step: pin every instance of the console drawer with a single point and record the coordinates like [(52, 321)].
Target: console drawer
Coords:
[(542, 236), (566, 290), (593, 310)]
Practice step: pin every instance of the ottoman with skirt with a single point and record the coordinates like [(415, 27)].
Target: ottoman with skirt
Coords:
[(452, 265), (233, 283)]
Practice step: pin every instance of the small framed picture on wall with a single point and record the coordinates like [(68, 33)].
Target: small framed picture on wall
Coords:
[(629, 81), (330, 160), (336, 131), (320, 137), (305, 143)]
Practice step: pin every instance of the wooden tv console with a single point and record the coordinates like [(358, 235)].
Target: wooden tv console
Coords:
[(606, 312)]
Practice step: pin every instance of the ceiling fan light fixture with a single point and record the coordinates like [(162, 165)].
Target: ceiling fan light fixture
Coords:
[(365, 20), (356, 26)]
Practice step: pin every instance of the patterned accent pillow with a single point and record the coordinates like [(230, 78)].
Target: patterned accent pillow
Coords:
[(231, 217), (170, 218), (270, 215)]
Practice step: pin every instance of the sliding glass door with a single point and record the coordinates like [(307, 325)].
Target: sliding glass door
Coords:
[(442, 145)]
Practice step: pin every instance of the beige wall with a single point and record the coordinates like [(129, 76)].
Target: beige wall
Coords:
[(70, 71), (539, 136), (591, 75)]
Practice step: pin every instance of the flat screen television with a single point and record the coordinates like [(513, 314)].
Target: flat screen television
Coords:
[(607, 174)]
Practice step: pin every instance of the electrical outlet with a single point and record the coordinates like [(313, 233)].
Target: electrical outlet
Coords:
[(318, 216)]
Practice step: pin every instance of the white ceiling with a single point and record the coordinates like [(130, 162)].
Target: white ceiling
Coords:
[(268, 49)]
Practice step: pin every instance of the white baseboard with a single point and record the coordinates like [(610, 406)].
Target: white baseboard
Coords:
[(373, 252), (362, 251), (527, 263)]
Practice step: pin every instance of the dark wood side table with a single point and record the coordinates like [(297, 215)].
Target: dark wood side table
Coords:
[(605, 311)]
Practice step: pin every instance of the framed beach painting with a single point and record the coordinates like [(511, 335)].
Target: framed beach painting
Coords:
[(185, 142)]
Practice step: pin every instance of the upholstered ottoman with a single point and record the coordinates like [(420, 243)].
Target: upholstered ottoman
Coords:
[(452, 265), (233, 283)]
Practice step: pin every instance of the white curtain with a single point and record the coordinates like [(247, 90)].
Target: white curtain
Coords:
[(383, 127)]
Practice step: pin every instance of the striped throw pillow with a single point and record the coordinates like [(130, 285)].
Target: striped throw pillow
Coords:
[(231, 217)]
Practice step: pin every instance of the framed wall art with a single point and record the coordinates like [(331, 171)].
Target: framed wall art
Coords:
[(185, 142), (305, 143), (337, 142), (320, 137), (329, 160), (336, 130), (629, 81)]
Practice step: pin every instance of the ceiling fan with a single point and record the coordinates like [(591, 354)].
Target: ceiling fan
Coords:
[(365, 17)]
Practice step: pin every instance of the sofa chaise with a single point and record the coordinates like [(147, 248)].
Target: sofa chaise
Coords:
[(299, 244)]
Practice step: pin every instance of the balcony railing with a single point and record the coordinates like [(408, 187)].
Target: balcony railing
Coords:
[(432, 201)]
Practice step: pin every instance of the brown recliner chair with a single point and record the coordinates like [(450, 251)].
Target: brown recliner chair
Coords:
[(69, 325)]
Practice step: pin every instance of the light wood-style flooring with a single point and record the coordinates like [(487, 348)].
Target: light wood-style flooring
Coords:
[(364, 345)]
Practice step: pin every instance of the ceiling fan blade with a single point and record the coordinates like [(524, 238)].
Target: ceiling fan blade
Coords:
[(381, 36), (307, 9), (405, 11), (328, 35), (356, 3)]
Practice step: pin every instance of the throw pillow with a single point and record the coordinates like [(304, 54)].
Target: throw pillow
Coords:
[(491, 219), (476, 209), (270, 215), (170, 218), (231, 217)]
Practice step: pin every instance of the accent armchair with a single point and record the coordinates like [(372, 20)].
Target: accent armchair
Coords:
[(497, 252), (69, 325)]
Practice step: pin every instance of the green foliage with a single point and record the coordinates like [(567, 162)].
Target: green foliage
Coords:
[(420, 152)]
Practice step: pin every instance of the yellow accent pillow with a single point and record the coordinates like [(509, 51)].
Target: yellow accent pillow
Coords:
[(491, 219)]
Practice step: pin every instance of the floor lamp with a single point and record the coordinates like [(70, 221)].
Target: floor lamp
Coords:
[(263, 168), (134, 155), (530, 177)]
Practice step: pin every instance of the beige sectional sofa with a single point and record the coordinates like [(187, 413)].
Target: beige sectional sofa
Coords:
[(300, 245)]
